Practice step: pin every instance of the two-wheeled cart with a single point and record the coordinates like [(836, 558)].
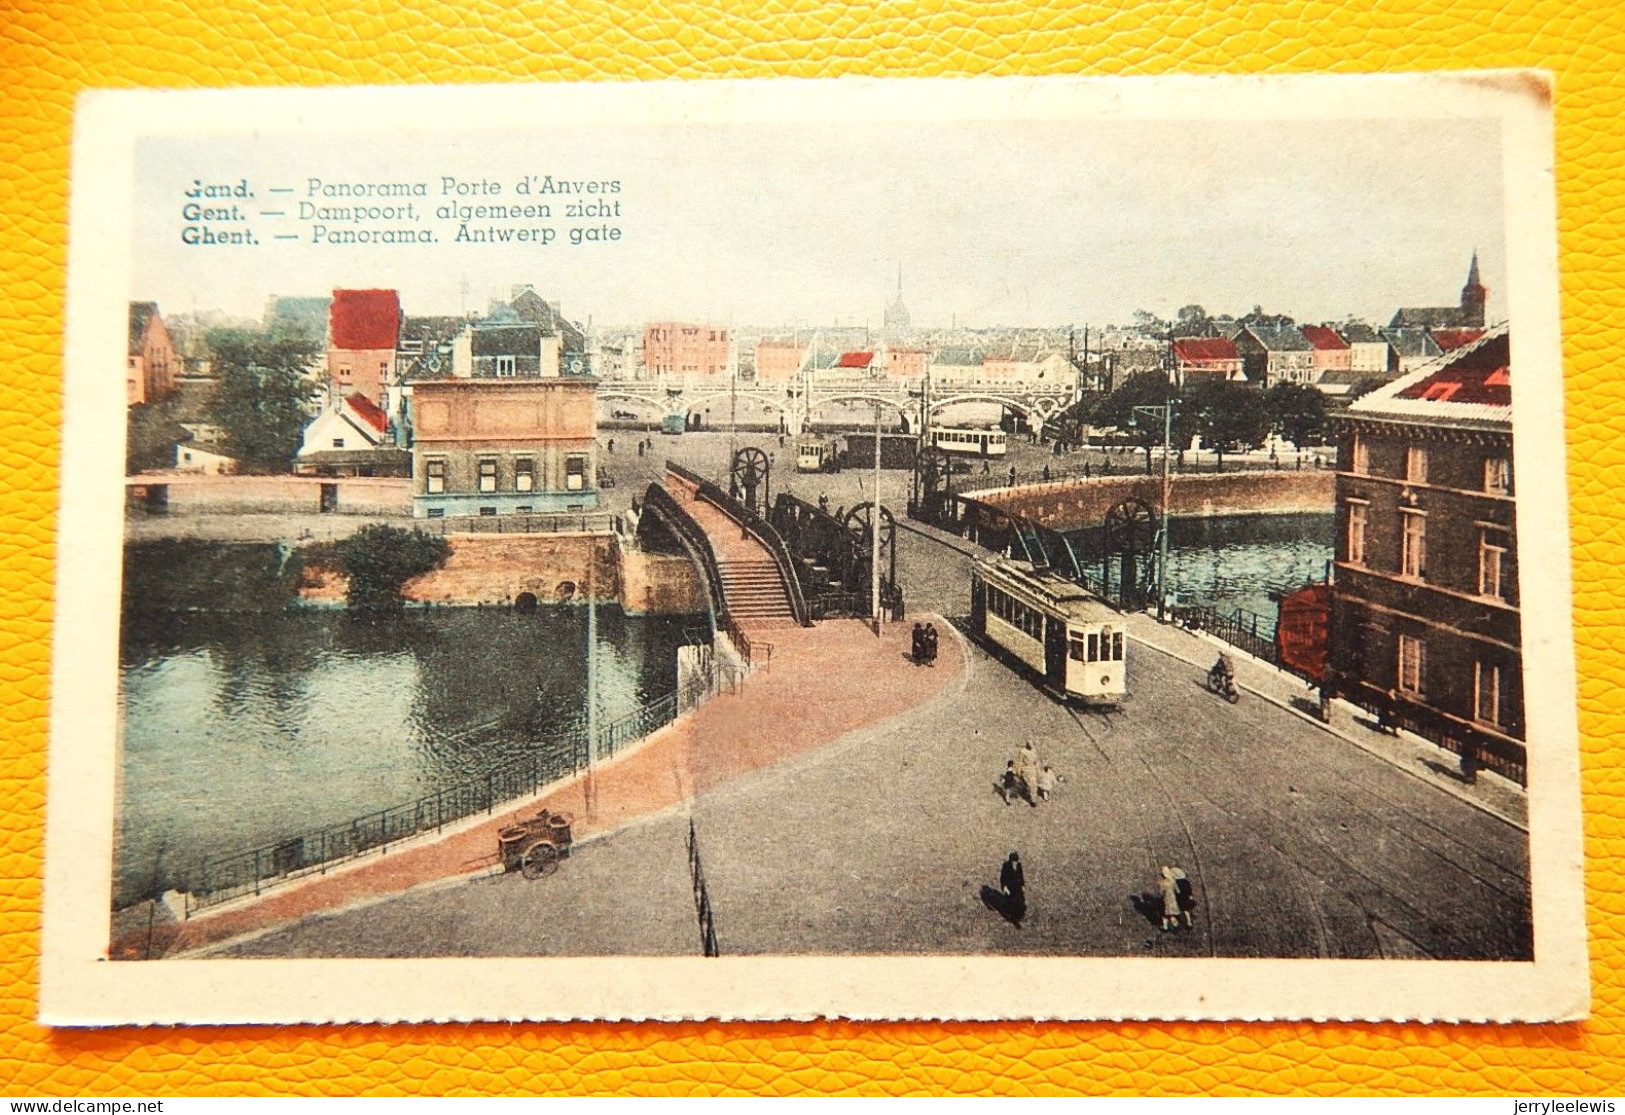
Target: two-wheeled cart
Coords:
[(535, 845)]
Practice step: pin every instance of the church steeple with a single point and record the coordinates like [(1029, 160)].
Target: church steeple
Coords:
[(1473, 296)]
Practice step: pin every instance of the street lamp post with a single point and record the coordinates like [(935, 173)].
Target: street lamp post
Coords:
[(1166, 412), (874, 532)]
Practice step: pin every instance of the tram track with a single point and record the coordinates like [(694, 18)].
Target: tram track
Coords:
[(1303, 837)]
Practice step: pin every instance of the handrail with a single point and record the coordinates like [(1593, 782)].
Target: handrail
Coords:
[(758, 526), (693, 537)]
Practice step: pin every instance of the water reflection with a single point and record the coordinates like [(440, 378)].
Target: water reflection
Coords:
[(240, 729), (1237, 561)]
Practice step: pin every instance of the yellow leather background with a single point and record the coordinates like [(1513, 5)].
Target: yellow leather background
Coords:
[(50, 51)]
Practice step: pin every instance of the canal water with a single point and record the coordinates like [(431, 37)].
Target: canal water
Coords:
[(1237, 561), (241, 729)]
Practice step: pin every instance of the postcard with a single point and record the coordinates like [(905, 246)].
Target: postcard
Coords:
[(980, 549)]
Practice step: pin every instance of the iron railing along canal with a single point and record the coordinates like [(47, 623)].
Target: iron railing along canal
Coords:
[(320, 850)]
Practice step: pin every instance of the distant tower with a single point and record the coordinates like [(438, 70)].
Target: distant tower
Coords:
[(1473, 296), (896, 316)]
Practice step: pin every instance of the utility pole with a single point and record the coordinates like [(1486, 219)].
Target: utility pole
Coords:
[(874, 533), (1166, 412)]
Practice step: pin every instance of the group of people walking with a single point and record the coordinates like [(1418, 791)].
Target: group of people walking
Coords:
[(925, 644), (1024, 778)]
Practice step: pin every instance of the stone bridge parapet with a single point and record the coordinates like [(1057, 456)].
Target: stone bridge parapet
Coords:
[(1066, 505)]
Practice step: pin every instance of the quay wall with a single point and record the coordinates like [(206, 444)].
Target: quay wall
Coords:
[(1072, 504), (356, 495), (487, 570)]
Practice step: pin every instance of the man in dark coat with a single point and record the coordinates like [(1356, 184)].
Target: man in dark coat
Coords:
[(1013, 881)]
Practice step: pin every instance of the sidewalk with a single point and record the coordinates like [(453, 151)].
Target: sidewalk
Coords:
[(1410, 753), (824, 682)]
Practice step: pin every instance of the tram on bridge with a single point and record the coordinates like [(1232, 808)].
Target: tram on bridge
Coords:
[(969, 441), (1075, 643)]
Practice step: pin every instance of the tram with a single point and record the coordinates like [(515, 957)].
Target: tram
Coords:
[(818, 454), (971, 441), (1072, 640)]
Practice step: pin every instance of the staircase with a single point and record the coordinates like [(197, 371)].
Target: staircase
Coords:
[(754, 592)]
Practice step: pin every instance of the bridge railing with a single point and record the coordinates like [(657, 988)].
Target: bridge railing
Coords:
[(757, 526)]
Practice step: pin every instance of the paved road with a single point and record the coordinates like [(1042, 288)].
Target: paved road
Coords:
[(1299, 844)]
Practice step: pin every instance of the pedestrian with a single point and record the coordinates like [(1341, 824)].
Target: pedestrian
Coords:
[(1013, 882), (612, 445), (917, 638), (930, 641), (1027, 773), (1170, 899), (1012, 476), (1086, 472), (1046, 782), (1046, 473), (1006, 785), (1184, 897), (640, 448), (986, 467)]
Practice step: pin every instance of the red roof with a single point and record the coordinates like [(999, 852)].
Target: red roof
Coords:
[(855, 360), (1324, 338), (1205, 350), (368, 411), (366, 320), (1479, 375), (1450, 339)]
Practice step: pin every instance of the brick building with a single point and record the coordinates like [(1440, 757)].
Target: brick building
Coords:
[(1199, 358), (1425, 621), (504, 446), (363, 334), (677, 348), (150, 364)]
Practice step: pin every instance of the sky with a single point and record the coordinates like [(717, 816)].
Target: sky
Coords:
[(1015, 222)]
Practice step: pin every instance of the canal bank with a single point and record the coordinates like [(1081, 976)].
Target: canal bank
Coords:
[(824, 682)]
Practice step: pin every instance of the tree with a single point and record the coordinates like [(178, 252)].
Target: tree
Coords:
[(1143, 389), (379, 559), (1193, 321), (1297, 412), (265, 394), (1231, 417)]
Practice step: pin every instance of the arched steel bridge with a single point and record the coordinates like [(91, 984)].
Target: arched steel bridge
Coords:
[(798, 401)]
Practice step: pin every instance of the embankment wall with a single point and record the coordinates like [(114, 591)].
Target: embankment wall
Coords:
[(1073, 504), (357, 495)]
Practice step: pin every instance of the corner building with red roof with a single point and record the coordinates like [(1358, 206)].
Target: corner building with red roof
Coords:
[(1425, 627), (364, 332)]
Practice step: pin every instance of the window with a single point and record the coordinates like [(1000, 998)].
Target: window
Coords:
[(488, 512), (344, 372), (1356, 534), (1413, 544), (434, 477), (1411, 664), (524, 475), (1416, 464), (1117, 646), (1360, 455), (1094, 647), (488, 474), (526, 510), (507, 366), (1077, 650), (1487, 693), (1498, 476), (575, 474), (338, 443), (1492, 554), (437, 512)]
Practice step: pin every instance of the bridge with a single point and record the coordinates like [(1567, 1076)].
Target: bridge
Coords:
[(795, 403)]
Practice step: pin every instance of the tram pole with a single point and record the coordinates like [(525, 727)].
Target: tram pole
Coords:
[(1167, 413), (874, 533)]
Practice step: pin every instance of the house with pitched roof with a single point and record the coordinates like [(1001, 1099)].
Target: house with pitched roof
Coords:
[(1412, 346), (1271, 353), (364, 333), (1332, 352), (1370, 355), (1200, 358), (150, 362), (352, 437), (1425, 625)]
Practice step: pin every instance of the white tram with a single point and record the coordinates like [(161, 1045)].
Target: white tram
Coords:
[(818, 454), (1074, 642), (971, 441)]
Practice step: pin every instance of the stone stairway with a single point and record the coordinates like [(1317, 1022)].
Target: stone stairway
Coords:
[(755, 592)]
